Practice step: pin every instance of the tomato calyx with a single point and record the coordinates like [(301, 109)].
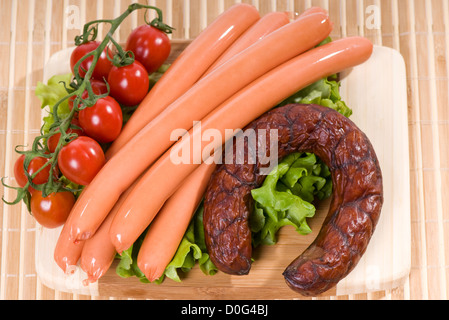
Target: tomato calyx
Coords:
[(72, 132), (94, 91), (158, 22), (122, 58)]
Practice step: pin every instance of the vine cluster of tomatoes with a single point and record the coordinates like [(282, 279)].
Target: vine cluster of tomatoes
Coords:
[(106, 81)]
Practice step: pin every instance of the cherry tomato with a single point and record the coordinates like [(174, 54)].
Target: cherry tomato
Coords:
[(150, 46), (103, 65), (102, 121), (98, 87), (129, 84), (81, 159), (53, 210), (35, 164), (52, 142)]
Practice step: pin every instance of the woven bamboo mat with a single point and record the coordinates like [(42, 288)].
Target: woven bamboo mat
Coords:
[(32, 30)]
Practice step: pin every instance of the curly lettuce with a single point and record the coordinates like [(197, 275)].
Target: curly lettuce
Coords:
[(325, 92), (191, 250), (51, 93), (285, 197)]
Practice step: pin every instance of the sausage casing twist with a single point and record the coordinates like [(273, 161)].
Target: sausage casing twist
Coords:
[(355, 206)]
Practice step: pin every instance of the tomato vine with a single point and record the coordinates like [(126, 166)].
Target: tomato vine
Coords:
[(75, 89)]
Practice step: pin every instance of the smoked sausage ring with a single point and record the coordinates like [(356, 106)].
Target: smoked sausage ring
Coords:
[(355, 206)]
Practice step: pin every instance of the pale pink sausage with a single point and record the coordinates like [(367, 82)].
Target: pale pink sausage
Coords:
[(168, 228), (266, 25), (67, 253)]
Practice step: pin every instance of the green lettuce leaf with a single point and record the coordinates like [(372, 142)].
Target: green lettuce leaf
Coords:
[(51, 93), (191, 250), (325, 92), (127, 266), (186, 255), (204, 261), (285, 197)]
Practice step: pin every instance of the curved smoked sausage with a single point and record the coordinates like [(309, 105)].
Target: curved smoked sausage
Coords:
[(354, 210)]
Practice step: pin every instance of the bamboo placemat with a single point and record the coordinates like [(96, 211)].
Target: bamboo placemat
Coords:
[(32, 30)]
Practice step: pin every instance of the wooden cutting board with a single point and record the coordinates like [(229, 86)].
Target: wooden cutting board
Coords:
[(376, 91)]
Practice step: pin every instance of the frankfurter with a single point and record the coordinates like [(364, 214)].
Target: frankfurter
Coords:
[(153, 140), (266, 25), (67, 252), (262, 28), (260, 96), (167, 229), (188, 68), (98, 252)]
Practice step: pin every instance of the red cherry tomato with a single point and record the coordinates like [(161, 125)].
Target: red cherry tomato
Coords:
[(150, 46), (52, 142), (53, 210), (81, 159), (102, 121), (35, 164), (102, 67), (129, 84), (98, 87)]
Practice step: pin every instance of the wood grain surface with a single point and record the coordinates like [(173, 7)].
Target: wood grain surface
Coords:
[(418, 29)]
